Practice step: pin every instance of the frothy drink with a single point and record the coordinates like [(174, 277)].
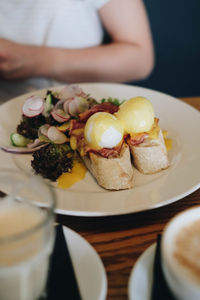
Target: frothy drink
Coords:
[(181, 254), (24, 250), (187, 250)]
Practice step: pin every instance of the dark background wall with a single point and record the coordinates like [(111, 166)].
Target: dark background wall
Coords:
[(175, 26)]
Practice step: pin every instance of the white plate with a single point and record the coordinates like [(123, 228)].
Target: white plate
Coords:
[(141, 277), (86, 198), (88, 267)]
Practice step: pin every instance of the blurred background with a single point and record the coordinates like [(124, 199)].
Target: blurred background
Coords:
[(175, 26)]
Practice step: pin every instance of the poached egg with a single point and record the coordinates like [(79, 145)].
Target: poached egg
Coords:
[(103, 130), (136, 115)]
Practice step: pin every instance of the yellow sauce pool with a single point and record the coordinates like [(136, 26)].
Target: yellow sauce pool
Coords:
[(68, 179), (168, 142)]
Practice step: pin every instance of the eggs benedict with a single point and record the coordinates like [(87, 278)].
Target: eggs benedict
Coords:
[(136, 115), (145, 137), (102, 148), (103, 130)]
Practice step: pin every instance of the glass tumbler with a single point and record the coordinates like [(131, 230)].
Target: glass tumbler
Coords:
[(26, 235)]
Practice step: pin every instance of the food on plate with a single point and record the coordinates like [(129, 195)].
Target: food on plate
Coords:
[(52, 160), (136, 115), (145, 137), (100, 143), (103, 130), (44, 132), (106, 155), (168, 141), (68, 130), (76, 174), (114, 173)]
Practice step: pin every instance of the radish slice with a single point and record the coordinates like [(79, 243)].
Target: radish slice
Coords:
[(56, 136), (73, 107), (60, 116), (77, 89), (33, 106), (59, 104), (61, 113), (56, 117), (76, 105), (66, 105), (43, 130), (69, 91), (62, 107), (82, 103)]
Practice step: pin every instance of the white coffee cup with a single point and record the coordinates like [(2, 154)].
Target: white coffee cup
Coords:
[(180, 252)]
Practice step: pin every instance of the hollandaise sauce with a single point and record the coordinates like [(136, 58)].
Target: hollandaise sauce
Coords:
[(168, 142), (68, 179)]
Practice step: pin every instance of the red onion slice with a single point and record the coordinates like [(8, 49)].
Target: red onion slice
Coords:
[(35, 144), (19, 150)]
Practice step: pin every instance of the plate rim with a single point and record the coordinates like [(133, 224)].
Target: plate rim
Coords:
[(148, 252), (68, 232), (96, 213)]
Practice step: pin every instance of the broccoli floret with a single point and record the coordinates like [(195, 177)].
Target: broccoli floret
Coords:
[(53, 160), (28, 127)]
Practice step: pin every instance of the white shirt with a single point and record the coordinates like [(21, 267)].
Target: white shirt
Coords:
[(71, 24)]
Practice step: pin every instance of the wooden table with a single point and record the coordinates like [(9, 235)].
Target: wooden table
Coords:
[(120, 240)]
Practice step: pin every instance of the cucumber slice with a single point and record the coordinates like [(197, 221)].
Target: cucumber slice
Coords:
[(19, 140), (48, 105)]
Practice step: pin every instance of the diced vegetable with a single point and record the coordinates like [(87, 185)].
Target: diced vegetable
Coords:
[(56, 136), (19, 140), (64, 127), (73, 142), (48, 105)]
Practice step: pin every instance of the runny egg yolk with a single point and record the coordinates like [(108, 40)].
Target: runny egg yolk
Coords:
[(68, 179), (103, 130), (136, 115)]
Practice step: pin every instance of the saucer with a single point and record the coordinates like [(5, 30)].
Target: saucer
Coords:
[(88, 267), (141, 277)]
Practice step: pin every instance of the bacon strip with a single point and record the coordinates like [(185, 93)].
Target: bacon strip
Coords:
[(103, 107), (137, 138), (85, 148), (75, 124), (108, 153), (80, 123)]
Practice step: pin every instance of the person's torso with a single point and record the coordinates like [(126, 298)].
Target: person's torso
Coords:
[(71, 24), (56, 23)]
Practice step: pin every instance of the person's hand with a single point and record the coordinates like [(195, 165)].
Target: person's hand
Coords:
[(17, 61)]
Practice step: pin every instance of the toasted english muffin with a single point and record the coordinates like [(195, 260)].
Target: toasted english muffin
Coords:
[(150, 156), (111, 173)]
